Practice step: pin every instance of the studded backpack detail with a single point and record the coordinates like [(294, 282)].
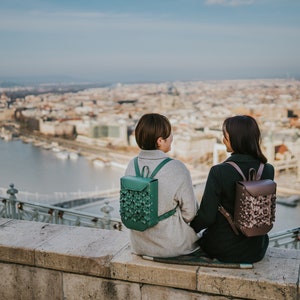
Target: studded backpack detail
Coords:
[(255, 202), (139, 198)]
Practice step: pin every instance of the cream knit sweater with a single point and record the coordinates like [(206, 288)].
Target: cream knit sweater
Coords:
[(172, 236)]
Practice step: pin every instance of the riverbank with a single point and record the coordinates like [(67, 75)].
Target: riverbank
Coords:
[(116, 156)]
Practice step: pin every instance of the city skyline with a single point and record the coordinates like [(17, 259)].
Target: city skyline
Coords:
[(131, 41)]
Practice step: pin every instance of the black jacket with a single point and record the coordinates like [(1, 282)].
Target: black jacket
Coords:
[(218, 240)]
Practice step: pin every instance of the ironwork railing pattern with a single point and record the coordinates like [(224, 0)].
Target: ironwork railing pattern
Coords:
[(289, 239), (13, 208)]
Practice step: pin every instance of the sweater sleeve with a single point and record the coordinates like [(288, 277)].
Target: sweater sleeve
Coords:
[(207, 212), (186, 197)]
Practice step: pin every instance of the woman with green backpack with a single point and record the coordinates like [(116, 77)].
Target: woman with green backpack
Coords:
[(172, 235)]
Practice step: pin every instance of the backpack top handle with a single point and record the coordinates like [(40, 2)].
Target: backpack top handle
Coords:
[(145, 169)]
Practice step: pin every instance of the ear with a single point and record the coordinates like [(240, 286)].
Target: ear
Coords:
[(158, 142)]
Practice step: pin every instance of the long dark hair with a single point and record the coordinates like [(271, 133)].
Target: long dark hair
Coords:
[(244, 136), (149, 128)]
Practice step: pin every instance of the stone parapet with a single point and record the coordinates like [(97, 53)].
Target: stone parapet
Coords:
[(47, 261)]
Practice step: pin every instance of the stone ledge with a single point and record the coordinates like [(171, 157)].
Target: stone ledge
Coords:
[(80, 250), (105, 254)]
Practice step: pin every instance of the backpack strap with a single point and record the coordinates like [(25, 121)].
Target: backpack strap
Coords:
[(160, 166), (167, 214), (252, 171), (237, 168), (172, 211), (260, 170), (228, 216)]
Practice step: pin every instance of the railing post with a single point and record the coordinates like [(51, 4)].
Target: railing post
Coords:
[(12, 201), (106, 209)]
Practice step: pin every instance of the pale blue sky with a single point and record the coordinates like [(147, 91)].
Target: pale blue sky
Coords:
[(157, 40)]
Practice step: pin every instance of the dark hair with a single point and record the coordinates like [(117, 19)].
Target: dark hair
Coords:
[(149, 128), (244, 136)]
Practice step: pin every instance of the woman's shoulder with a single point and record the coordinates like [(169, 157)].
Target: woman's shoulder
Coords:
[(178, 165), (269, 170), (269, 166), (221, 166), (220, 170)]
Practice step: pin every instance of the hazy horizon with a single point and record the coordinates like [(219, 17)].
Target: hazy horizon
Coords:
[(69, 81)]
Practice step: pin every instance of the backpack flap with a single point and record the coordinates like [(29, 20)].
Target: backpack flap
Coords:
[(135, 183), (258, 187)]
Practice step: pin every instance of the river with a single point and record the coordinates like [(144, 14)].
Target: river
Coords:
[(34, 170), (42, 176)]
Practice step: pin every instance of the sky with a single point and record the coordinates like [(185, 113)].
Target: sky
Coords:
[(157, 40)]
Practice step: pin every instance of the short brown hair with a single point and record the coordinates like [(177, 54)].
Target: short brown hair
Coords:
[(149, 128)]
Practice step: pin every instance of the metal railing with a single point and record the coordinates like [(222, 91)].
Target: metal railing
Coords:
[(289, 239), (13, 208)]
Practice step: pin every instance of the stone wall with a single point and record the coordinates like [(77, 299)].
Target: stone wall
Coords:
[(47, 261)]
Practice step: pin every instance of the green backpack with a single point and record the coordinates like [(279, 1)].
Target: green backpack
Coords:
[(139, 198)]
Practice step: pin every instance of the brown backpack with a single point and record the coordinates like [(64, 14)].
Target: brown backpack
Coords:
[(255, 202)]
